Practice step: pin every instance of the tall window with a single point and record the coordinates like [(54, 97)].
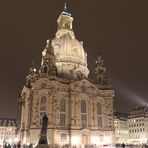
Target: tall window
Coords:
[(42, 108), (62, 119), (62, 105), (63, 138), (99, 115), (62, 112), (83, 114), (83, 106), (43, 104)]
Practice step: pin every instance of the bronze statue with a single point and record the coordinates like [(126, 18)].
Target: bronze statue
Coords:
[(43, 136)]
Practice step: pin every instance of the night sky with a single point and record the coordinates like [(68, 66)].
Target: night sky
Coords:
[(118, 29)]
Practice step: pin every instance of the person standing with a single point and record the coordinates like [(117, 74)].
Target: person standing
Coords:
[(123, 145)]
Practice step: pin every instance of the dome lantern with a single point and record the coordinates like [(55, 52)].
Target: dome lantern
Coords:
[(65, 20)]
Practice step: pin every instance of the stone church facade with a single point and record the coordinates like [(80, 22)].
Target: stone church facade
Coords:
[(80, 111)]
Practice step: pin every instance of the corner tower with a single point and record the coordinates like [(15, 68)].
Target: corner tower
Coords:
[(70, 56)]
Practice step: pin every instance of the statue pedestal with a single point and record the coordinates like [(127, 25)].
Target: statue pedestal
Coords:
[(42, 146), (47, 146)]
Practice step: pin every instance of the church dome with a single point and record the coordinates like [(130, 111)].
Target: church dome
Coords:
[(70, 55), (71, 58)]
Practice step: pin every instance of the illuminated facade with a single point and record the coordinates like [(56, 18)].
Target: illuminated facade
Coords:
[(7, 131), (138, 125), (121, 128), (80, 111)]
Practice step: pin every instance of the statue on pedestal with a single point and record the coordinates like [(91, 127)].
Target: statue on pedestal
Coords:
[(43, 136)]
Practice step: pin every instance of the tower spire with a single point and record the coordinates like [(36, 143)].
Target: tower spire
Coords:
[(100, 72), (48, 60)]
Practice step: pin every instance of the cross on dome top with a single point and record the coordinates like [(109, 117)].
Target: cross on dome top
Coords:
[(65, 12), (65, 7)]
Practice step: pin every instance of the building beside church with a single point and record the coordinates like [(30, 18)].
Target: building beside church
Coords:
[(138, 125), (132, 128), (121, 128), (79, 110), (7, 131)]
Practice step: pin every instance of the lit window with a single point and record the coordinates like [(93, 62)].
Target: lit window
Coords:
[(84, 120), (63, 138), (83, 114), (101, 138), (62, 119), (62, 112), (99, 115), (43, 104), (42, 108)]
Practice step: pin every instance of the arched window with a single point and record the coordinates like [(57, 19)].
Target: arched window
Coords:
[(83, 114), (63, 138), (99, 115), (43, 103), (62, 112), (43, 100)]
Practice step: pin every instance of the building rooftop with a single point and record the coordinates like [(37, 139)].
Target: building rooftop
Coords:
[(138, 111), (120, 116), (7, 121)]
